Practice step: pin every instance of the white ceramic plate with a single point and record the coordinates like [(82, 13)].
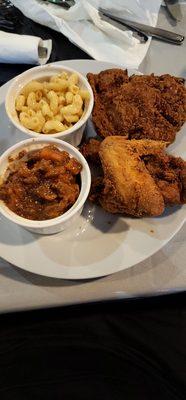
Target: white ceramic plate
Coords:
[(98, 244)]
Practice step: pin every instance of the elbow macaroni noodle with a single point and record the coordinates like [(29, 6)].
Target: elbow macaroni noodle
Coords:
[(51, 106)]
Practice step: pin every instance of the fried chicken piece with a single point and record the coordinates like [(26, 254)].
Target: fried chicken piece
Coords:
[(90, 150), (172, 103), (97, 186), (108, 79), (105, 82), (128, 187), (138, 107), (137, 115), (139, 178)]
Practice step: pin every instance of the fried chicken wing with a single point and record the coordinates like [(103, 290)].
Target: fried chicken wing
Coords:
[(138, 177), (138, 107), (90, 150)]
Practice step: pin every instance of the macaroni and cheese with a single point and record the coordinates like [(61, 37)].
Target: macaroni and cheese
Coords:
[(51, 106)]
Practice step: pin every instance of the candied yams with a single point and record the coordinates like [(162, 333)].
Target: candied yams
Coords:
[(41, 184)]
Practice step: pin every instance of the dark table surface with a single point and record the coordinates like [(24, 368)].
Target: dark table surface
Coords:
[(117, 350)]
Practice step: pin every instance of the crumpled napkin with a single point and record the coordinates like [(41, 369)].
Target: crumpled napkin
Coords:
[(83, 26), (24, 49)]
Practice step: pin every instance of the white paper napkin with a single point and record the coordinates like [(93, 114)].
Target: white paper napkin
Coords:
[(24, 49), (83, 26)]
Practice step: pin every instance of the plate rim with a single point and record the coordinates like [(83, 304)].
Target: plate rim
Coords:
[(101, 275), (159, 246)]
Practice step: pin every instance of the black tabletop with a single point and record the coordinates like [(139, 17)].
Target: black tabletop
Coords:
[(117, 350)]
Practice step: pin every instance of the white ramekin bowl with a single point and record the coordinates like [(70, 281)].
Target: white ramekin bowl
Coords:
[(60, 223), (74, 134)]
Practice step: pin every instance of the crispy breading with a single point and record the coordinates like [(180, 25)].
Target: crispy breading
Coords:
[(138, 107), (90, 150), (129, 188), (138, 177), (108, 79), (172, 103), (104, 82), (169, 173)]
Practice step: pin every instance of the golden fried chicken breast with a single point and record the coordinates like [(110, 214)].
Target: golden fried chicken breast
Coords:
[(138, 178), (128, 186)]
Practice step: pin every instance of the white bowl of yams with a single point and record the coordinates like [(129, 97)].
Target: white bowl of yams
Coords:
[(11, 162), (50, 100)]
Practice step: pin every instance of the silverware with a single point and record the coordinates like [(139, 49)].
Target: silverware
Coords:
[(159, 33), (174, 9), (62, 3), (140, 36), (6, 25)]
